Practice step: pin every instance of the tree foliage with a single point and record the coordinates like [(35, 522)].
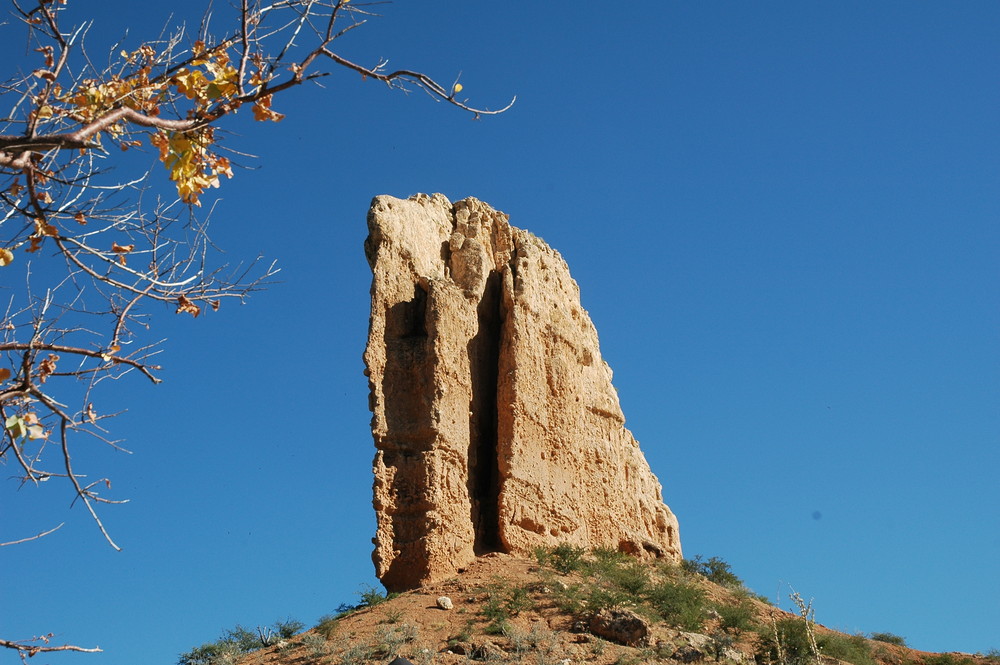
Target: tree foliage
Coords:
[(95, 253)]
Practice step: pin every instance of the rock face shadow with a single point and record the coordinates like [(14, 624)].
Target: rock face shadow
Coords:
[(495, 422), (484, 482)]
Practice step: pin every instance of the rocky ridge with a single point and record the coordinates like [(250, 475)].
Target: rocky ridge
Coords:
[(507, 610)]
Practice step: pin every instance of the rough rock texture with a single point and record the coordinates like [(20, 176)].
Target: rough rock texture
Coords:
[(495, 421), (622, 626)]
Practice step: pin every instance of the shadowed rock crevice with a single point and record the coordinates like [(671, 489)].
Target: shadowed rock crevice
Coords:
[(484, 352), (495, 423), (408, 381)]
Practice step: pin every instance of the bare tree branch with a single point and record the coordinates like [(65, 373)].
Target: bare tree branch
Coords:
[(26, 649), (100, 256), (35, 537)]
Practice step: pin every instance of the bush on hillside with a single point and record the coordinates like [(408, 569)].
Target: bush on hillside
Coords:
[(889, 638)]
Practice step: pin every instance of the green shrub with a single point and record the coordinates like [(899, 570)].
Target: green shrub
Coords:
[(502, 603), (566, 558), (498, 627), (316, 645), (393, 615), (571, 599), (388, 641), (789, 647), (242, 639), (233, 643), (853, 649), (539, 639), (608, 555), (370, 597), (737, 618), (889, 638), (463, 635), (678, 603), (631, 577), (612, 579), (211, 653), (947, 659), (327, 625), (599, 598), (288, 628), (356, 654), (714, 569)]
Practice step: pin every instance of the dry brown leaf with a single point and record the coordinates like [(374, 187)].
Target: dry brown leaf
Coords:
[(121, 251), (47, 367), (185, 305)]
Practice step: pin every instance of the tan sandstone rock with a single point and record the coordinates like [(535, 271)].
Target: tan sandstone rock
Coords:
[(495, 421)]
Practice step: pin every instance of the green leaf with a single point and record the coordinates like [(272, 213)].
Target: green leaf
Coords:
[(15, 425)]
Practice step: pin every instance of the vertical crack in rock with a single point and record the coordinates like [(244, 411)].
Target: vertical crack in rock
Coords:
[(496, 426), (484, 350)]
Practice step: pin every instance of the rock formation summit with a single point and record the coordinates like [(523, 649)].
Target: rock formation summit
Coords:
[(495, 421)]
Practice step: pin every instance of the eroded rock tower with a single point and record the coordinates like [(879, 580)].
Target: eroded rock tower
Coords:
[(495, 421)]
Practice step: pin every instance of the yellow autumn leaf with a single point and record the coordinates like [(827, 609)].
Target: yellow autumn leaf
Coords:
[(43, 228), (6, 257), (457, 89), (190, 83), (262, 110), (192, 166)]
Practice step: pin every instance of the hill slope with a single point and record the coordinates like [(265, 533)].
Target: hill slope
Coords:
[(600, 608)]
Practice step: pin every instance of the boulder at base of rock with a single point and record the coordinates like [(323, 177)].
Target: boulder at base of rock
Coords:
[(621, 626)]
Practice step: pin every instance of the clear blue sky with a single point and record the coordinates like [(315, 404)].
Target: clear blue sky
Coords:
[(783, 217)]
